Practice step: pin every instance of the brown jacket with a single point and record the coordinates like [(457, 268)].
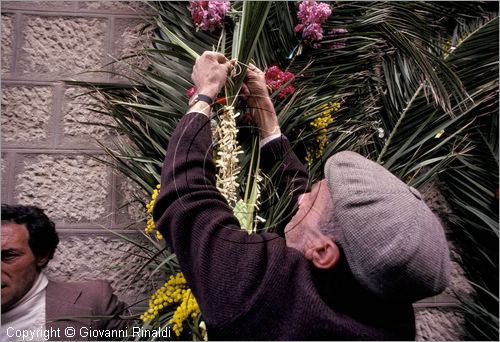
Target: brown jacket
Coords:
[(82, 311)]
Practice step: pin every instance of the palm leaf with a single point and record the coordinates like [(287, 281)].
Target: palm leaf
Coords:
[(407, 99)]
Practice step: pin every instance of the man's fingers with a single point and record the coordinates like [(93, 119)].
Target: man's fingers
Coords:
[(231, 64), (213, 56), (251, 73), (244, 90), (219, 57), (253, 68), (209, 54)]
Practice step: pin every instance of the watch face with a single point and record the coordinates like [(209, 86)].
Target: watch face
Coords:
[(193, 99)]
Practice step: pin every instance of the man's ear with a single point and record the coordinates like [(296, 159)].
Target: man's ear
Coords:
[(324, 255), (42, 261)]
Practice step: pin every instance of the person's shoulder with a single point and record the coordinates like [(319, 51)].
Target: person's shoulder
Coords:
[(85, 290), (98, 283)]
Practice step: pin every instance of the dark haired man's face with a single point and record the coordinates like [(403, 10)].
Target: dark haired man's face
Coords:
[(20, 267)]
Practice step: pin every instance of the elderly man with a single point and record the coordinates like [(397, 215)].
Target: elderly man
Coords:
[(34, 307), (360, 248)]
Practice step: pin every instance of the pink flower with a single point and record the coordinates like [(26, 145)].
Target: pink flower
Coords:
[(276, 78), (208, 15), (299, 28), (311, 12), (273, 73), (191, 91), (312, 33), (311, 15), (289, 89)]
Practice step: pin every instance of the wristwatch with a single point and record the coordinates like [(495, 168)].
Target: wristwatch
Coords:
[(200, 97)]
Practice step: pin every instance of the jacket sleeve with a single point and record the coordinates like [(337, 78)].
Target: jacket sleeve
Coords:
[(288, 176), (226, 268)]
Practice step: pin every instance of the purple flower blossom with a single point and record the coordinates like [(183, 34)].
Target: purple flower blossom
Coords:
[(312, 34), (311, 12), (208, 15), (311, 15)]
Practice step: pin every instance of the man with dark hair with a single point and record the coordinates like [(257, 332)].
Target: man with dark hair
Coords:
[(43, 238), (360, 248), (34, 307)]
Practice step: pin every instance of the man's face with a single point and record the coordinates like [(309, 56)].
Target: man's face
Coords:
[(303, 229), (19, 265)]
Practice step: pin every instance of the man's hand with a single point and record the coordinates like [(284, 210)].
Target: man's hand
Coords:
[(255, 89), (256, 95), (210, 73)]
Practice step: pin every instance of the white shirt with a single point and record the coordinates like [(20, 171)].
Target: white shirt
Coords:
[(26, 315)]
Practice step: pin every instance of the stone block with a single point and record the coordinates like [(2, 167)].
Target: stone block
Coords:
[(131, 202), (26, 111), (121, 6), (61, 45), (90, 257), (82, 122), (459, 285), (71, 188), (130, 38), (3, 166), (5, 181), (39, 5), (439, 325), (434, 198), (7, 42)]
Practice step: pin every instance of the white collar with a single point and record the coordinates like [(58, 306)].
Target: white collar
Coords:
[(28, 301)]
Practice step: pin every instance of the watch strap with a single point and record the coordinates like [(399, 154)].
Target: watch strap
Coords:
[(204, 98)]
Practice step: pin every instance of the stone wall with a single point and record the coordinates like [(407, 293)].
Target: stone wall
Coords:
[(47, 147)]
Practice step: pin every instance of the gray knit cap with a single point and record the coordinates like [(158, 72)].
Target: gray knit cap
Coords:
[(393, 243)]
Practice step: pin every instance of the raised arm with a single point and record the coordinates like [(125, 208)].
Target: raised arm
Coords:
[(290, 178), (224, 266)]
